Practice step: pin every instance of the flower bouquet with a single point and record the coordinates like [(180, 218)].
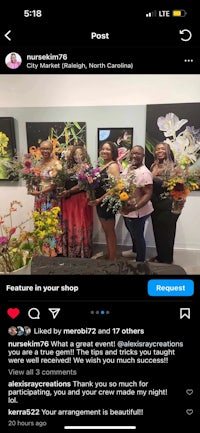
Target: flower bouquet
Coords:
[(59, 174), (30, 172), (88, 179), (18, 245), (119, 192), (179, 184), (24, 168)]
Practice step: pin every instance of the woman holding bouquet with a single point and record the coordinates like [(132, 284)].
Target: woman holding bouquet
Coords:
[(77, 214), (138, 209), (45, 194), (109, 154), (163, 219)]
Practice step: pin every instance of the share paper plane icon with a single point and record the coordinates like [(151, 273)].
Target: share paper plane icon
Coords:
[(54, 312)]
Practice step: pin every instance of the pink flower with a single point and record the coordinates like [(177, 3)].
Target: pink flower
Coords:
[(27, 164), (12, 231), (122, 154), (3, 240)]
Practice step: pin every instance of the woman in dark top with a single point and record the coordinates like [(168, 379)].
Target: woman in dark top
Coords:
[(77, 214), (163, 220), (109, 154)]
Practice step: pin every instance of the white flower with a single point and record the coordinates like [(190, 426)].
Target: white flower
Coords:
[(170, 124), (185, 145)]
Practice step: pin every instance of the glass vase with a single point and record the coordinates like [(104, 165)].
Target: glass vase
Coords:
[(24, 270), (32, 185), (91, 195), (177, 206), (30, 188), (59, 190)]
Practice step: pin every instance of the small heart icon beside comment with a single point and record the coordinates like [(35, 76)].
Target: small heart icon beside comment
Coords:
[(189, 411), (189, 391), (13, 312)]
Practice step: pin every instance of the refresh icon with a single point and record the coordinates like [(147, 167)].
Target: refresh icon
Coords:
[(187, 35)]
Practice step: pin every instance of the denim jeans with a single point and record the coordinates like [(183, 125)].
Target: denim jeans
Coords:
[(135, 226)]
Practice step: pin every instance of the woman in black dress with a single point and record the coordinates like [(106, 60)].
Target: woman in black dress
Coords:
[(163, 220), (109, 154)]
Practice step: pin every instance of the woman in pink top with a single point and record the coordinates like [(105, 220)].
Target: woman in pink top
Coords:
[(137, 210), (13, 63)]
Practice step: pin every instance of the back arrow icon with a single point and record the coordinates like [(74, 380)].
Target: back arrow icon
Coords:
[(6, 35)]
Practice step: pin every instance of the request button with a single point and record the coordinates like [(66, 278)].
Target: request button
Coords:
[(170, 287)]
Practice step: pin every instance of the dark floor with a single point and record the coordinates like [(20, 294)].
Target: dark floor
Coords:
[(101, 248)]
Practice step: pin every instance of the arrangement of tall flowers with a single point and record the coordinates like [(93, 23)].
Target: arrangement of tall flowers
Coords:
[(17, 244)]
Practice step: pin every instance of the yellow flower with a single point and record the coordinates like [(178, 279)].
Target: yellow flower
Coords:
[(3, 143), (17, 245), (119, 192), (42, 234), (124, 196), (120, 185)]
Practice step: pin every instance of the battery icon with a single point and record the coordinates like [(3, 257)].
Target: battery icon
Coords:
[(179, 13)]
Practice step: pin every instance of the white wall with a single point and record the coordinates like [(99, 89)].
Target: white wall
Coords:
[(100, 100), (91, 90)]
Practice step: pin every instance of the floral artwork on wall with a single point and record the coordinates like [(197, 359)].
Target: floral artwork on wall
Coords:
[(62, 134), (122, 137), (179, 126), (7, 144)]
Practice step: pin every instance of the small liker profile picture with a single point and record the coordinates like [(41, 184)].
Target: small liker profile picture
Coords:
[(13, 60), (27, 330), (12, 331), (20, 330)]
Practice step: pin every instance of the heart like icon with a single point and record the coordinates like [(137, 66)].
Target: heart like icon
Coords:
[(189, 391), (13, 312), (189, 411)]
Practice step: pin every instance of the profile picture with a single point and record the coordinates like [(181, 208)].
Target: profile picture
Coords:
[(20, 330), (13, 60), (27, 330), (12, 331)]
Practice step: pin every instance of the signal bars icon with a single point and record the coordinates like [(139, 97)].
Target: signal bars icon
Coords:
[(151, 14)]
